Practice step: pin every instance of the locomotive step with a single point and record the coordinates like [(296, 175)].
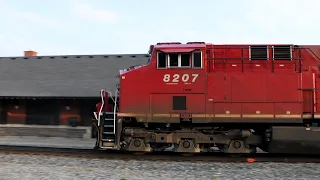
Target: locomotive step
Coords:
[(108, 140), (108, 144)]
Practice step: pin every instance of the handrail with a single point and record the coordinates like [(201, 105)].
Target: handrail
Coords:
[(261, 102), (102, 106), (242, 53), (296, 56), (242, 58), (314, 53), (115, 111), (248, 60)]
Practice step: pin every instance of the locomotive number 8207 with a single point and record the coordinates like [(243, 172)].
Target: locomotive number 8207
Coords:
[(199, 101), (178, 77)]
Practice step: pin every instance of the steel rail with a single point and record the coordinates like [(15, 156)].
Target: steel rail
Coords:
[(156, 156)]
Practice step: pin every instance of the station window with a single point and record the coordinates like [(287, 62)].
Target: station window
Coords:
[(258, 52), (282, 53)]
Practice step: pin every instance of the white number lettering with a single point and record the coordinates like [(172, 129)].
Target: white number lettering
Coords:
[(166, 78), (175, 78), (195, 76), (185, 77)]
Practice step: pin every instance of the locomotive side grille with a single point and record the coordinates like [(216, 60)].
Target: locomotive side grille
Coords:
[(258, 52), (282, 52), (179, 103)]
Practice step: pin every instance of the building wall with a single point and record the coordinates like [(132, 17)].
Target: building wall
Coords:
[(69, 109), (42, 111), (47, 111), (15, 111)]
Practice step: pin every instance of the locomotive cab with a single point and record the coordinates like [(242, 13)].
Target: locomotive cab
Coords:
[(170, 86), (179, 91)]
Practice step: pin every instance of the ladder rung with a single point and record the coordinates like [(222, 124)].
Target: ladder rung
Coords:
[(108, 126), (108, 132), (108, 119)]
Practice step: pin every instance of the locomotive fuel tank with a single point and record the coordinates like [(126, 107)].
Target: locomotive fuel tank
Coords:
[(294, 140)]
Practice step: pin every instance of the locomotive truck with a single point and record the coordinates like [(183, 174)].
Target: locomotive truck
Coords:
[(197, 96)]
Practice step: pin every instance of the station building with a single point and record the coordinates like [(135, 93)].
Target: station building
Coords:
[(55, 90)]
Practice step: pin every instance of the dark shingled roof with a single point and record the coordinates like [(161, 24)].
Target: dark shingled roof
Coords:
[(63, 76)]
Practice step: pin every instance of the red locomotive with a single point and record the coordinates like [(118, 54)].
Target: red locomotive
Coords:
[(196, 96)]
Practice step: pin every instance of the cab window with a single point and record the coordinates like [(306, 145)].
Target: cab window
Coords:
[(179, 60), (162, 60), (197, 59), (173, 60), (185, 60)]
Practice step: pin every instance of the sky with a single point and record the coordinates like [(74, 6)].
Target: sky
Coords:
[(67, 27)]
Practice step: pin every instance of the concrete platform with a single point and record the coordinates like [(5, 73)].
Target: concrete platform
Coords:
[(46, 136), (57, 142), (45, 131)]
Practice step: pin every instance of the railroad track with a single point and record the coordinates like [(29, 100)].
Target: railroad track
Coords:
[(157, 156)]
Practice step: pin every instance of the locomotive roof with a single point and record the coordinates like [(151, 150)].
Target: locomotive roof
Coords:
[(63, 76), (180, 45)]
